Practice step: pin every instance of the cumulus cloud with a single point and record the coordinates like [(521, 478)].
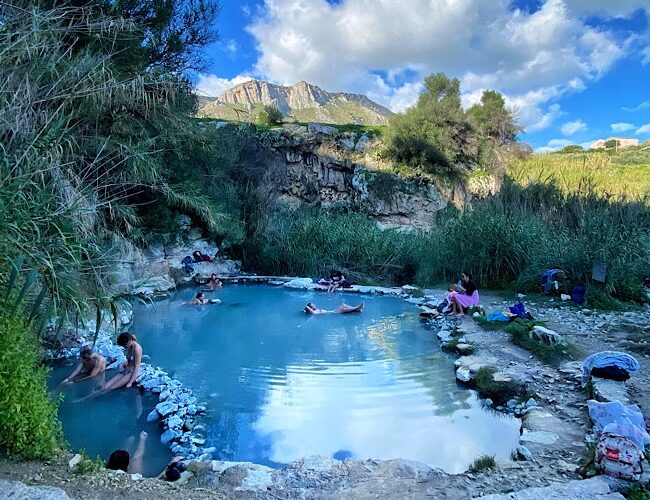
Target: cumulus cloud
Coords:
[(213, 86), (643, 129), (572, 128), (621, 127), (487, 44)]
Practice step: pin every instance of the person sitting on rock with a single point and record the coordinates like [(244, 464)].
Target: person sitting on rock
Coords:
[(311, 308), (91, 364), (121, 460), (467, 297), (337, 280), (129, 370)]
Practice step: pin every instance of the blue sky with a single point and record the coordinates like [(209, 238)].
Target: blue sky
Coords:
[(573, 70)]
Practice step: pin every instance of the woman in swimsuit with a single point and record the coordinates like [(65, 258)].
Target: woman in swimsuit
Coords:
[(129, 370), (342, 309)]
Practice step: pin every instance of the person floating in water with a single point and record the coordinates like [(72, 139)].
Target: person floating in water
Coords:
[(342, 309), (91, 364)]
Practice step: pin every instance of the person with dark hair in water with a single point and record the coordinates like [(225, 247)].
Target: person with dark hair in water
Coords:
[(199, 299), (311, 308), (90, 365), (213, 283), (466, 297), (121, 460)]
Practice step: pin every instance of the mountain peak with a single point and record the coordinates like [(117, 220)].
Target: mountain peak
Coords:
[(302, 101)]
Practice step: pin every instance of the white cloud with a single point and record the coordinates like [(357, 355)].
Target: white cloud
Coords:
[(643, 130), (232, 46), (646, 55), (643, 105), (621, 127), (213, 86), (526, 56), (572, 128)]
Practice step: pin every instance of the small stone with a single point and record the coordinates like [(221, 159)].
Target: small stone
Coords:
[(74, 461), (153, 416), (531, 402), (166, 408), (523, 453), (463, 374)]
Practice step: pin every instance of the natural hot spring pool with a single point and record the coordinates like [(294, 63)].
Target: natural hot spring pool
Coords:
[(281, 385)]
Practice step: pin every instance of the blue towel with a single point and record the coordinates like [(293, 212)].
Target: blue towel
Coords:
[(497, 316), (608, 358)]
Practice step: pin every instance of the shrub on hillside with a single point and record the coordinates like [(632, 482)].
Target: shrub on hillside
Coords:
[(270, 116), (30, 428)]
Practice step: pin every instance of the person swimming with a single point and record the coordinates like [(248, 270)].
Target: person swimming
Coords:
[(199, 299), (311, 308), (91, 364), (213, 283)]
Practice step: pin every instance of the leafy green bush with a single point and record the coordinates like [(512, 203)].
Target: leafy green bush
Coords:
[(88, 464), (270, 116), (30, 428)]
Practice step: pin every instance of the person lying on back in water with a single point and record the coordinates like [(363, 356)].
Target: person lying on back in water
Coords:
[(91, 364), (342, 309)]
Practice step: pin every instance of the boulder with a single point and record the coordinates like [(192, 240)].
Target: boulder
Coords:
[(523, 453), (463, 374), (606, 391), (319, 128), (300, 283), (16, 490), (545, 335), (166, 408)]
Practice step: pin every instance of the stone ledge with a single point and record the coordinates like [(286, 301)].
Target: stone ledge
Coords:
[(20, 491), (606, 391), (598, 487)]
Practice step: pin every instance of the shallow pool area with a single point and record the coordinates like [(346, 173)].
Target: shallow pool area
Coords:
[(108, 422), (280, 385)]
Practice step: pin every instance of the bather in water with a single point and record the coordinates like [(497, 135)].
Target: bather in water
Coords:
[(311, 308)]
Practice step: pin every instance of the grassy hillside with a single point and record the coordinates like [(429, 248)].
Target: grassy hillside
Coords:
[(623, 172)]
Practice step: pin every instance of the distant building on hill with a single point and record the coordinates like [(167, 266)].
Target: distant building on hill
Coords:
[(620, 143)]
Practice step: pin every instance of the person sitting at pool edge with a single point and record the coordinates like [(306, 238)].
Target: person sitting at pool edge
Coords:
[(214, 282), (311, 308), (337, 280), (129, 370), (90, 365), (467, 297)]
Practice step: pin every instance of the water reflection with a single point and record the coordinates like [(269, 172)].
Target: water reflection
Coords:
[(281, 385)]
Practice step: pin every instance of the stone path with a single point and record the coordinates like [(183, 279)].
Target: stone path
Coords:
[(596, 488)]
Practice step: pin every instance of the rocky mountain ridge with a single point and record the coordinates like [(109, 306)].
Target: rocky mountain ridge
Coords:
[(302, 102)]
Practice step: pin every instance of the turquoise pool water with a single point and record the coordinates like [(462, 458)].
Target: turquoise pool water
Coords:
[(108, 422), (281, 385)]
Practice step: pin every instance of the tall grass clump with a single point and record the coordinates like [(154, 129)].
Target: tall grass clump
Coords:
[(312, 243)]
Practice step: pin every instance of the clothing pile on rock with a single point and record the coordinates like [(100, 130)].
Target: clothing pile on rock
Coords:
[(612, 365)]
